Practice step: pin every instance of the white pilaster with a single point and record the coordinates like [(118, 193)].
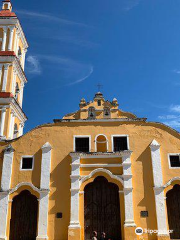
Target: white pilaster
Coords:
[(158, 189), (2, 122), (4, 198), (45, 166), (44, 198), (17, 43), (5, 187), (11, 28), (1, 65), (43, 215), (75, 187), (128, 195), (7, 168), (6, 66), (3, 48)]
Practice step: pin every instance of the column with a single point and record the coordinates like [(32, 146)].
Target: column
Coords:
[(3, 48), (11, 38), (44, 196), (21, 129), (14, 82), (6, 66), (129, 224), (21, 93), (2, 122), (11, 126), (23, 57), (158, 190), (17, 43), (5, 187), (74, 227), (1, 65)]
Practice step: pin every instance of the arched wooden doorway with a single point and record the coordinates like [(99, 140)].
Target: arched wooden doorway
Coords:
[(102, 209), (23, 225), (173, 209)]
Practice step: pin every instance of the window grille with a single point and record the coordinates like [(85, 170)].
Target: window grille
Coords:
[(175, 161), (120, 144), (82, 144), (27, 163)]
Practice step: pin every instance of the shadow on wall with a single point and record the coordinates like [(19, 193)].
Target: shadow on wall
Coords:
[(60, 197), (148, 202)]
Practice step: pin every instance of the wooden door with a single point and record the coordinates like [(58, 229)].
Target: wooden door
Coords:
[(173, 209), (23, 224), (102, 209)]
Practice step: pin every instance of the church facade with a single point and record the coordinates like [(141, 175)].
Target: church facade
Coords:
[(97, 169)]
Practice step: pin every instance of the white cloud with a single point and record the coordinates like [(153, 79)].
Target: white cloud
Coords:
[(33, 65), (175, 108), (71, 71), (173, 123), (130, 4), (49, 17), (176, 71), (167, 117)]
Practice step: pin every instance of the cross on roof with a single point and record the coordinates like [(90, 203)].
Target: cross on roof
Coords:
[(99, 87)]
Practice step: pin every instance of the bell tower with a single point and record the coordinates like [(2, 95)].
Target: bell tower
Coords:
[(13, 48)]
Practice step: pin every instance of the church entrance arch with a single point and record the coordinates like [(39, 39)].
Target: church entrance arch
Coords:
[(23, 225), (102, 209), (173, 209)]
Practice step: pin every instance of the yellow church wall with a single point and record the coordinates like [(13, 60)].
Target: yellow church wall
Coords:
[(60, 136)]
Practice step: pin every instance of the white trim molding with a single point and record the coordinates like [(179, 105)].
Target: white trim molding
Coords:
[(27, 156), (169, 162), (119, 135), (81, 136), (107, 143), (171, 181), (158, 188), (102, 170)]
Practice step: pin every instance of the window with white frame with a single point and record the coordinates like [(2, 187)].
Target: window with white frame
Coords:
[(174, 160), (82, 144), (120, 143), (27, 163)]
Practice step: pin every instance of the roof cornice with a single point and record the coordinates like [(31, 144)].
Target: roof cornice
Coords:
[(102, 120)]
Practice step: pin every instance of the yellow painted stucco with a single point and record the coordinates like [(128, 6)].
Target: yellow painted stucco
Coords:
[(60, 136)]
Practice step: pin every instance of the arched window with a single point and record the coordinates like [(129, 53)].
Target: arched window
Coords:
[(17, 91), (91, 113), (107, 112), (15, 131), (101, 143), (19, 52)]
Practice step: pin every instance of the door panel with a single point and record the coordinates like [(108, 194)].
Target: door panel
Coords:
[(23, 224), (173, 209), (102, 209)]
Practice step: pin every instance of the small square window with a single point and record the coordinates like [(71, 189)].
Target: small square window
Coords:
[(27, 163), (174, 161), (82, 144), (120, 144)]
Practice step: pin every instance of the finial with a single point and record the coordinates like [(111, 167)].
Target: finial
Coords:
[(7, 5), (82, 103)]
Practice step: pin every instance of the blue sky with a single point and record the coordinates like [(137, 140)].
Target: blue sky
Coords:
[(132, 47)]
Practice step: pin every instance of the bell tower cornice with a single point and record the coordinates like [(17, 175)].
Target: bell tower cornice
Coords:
[(13, 48)]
